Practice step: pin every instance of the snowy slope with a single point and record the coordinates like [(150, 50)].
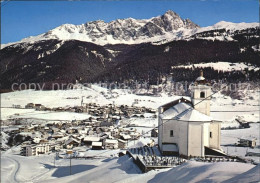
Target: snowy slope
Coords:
[(9, 113), (157, 30), (230, 26), (252, 175), (114, 169), (221, 66), (95, 94), (202, 172)]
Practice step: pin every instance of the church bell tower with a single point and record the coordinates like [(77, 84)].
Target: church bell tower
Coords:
[(200, 92)]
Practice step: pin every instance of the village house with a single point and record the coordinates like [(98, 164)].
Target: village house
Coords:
[(16, 106), (58, 109), (71, 142), (124, 136), (247, 142), (154, 132), (57, 135), (122, 144), (36, 134), (35, 150), (111, 144), (29, 106), (56, 146), (97, 146), (84, 130), (39, 107), (71, 130), (23, 147), (88, 140), (114, 132), (36, 140), (62, 140), (185, 127), (134, 135)]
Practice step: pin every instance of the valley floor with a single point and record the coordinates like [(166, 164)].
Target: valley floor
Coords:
[(107, 166)]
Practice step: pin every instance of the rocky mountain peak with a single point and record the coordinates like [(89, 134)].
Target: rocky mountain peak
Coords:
[(126, 31), (160, 29), (171, 13)]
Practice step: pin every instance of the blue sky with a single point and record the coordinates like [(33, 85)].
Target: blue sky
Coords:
[(23, 19)]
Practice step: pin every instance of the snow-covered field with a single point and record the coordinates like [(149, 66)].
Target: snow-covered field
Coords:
[(118, 169), (230, 137), (9, 113), (95, 94), (110, 168), (103, 96)]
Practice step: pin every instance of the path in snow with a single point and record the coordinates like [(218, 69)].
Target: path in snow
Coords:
[(14, 170)]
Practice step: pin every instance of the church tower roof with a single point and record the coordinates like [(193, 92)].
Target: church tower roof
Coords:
[(201, 79)]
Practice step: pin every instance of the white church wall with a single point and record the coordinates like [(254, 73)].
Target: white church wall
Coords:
[(214, 140), (180, 135), (160, 134), (167, 127), (195, 146), (203, 107), (183, 138), (206, 134)]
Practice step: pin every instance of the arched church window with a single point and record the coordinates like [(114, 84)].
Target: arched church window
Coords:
[(202, 94)]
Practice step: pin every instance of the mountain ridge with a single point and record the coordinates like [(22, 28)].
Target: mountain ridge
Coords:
[(160, 29), (54, 59)]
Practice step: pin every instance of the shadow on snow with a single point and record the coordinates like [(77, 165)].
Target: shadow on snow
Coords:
[(62, 171)]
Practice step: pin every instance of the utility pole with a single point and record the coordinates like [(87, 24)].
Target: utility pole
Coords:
[(54, 159), (55, 156), (227, 150), (82, 101), (70, 164), (69, 152)]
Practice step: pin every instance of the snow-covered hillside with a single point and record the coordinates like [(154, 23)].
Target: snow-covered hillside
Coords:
[(202, 172), (157, 30), (122, 169), (221, 66)]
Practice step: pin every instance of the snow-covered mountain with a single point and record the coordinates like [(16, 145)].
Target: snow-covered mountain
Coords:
[(92, 51), (160, 29)]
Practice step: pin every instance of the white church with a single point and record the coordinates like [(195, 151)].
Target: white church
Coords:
[(186, 128)]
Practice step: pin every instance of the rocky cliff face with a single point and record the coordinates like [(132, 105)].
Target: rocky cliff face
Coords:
[(127, 31)]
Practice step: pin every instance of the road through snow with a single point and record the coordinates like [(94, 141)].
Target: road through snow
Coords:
[(15, 169)]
